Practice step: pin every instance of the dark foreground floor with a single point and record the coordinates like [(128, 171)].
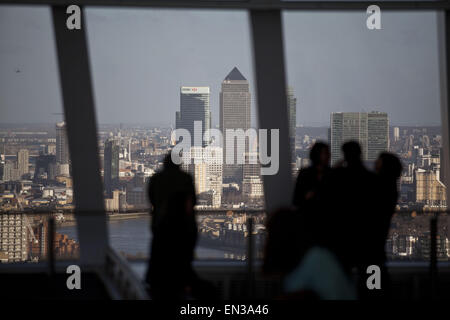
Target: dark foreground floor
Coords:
[(43, 286)]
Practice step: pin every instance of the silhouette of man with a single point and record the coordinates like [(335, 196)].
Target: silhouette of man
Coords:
[(309, 179), (347, 202), (174, 228), (388, 169)]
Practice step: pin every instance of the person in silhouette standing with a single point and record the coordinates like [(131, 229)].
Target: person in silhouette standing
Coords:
[(388, 169), (309, 179), (170, 273), (308, 184), (347, 199)]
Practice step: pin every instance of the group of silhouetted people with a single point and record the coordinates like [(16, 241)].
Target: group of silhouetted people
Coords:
[(321, 246), (337, 227)]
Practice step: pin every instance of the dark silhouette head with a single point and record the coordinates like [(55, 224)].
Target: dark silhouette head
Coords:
[(352, 152), (388, 165), (168, 163), (320, 154)]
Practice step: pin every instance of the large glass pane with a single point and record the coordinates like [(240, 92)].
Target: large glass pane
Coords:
[(35, 180), (381, 88), (156, 71)]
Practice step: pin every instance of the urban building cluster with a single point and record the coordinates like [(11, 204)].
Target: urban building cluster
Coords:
[(422, 186), (35, 172), (221, 184)]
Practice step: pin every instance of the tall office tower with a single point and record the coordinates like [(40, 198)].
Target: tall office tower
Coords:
[(129, 150), (396, 133), (194, 106), (62, 144), (111, 166), (292, 113), (345, 126), (22, 162), (234, 114), (371, 130), (378, 134)]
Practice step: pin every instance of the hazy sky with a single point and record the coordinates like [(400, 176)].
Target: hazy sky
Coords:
[(140, 58)]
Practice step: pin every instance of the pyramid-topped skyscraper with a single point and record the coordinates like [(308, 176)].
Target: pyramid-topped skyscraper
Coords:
[(234, 114), (235, 74)]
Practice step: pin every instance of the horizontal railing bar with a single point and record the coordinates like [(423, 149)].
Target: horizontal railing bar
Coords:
[(247, 4), (212, 211)]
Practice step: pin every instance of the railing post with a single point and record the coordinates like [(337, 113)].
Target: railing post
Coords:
[(50, 246), (250, 275), (433, 255)]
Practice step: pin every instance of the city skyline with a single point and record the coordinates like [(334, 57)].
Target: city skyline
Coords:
[(350, 70), (216, 150), (138, 155)]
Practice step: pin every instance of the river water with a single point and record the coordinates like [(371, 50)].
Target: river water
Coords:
[(132, 237)]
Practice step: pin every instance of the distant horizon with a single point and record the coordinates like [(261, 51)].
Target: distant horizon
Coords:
[(166, 125), (140, 58)]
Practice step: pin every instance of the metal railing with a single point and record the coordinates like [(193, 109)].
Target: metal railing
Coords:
[(127, 286)]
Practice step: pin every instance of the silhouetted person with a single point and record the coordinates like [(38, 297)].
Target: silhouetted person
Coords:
[(309, 179), (170, 274), (347, 200), (388, 169)]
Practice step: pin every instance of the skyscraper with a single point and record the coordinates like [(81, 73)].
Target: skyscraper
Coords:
[(292, 113), (371, 130), (396, 133), (22, 162), (378, 134), (234, 114), (62, 145), (194, 106), (111, 166)]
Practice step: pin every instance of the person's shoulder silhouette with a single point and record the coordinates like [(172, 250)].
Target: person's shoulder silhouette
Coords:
[(309, 179), (172, 194)]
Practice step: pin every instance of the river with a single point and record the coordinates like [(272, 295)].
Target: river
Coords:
[(132, 237)]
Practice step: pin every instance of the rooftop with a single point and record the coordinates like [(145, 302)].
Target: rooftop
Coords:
[(235, 74)]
